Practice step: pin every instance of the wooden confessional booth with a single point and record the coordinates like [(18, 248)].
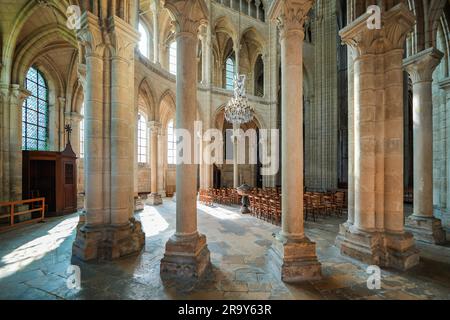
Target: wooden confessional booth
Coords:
[(52, 175)]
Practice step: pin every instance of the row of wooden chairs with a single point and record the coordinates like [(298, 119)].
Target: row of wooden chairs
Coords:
[(265, 203), (226, 196), (323, 204), (266, 208)]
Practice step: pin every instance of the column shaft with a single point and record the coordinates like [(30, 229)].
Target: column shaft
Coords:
[(185, 116), (93, 157), (292, 134)]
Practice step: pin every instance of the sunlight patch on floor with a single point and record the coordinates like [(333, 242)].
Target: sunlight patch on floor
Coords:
[(37, 248), (219, 212), (152, 221)]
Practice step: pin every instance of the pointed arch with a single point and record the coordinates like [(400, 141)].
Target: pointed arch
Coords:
[(146, 93)]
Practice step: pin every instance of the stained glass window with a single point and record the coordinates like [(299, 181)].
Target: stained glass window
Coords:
[(35, 112), (173, 58), (229, 74), (82, 132), (171, 144), (142, 139)]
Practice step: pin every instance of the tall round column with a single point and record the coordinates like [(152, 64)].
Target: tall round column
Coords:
[(155, 197), (422, 223), (292, 251), (186, 255)]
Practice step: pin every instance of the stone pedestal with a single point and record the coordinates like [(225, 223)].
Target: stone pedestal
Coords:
[(154, 199), (378, 248), (296, 259), (426, 229), (185, 257), (138, 204), (108, 242)]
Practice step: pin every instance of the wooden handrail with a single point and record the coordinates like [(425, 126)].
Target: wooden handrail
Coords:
[(13, 213)]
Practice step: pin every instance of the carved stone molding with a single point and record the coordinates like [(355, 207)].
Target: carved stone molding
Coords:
[(422, 65)]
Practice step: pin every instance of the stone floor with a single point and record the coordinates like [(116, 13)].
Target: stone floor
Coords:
[(34, 262)]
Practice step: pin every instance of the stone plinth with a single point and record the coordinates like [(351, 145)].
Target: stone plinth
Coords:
[(426, 229), (296, 259), (187, 258), (378, 248), (154, 199), (138, 204), (108, 242)]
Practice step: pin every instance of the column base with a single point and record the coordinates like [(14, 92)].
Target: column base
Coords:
[(378, 248), (108, 242), (154, 199), (187, 258), (426, 229), (296, 259), (138, 204)]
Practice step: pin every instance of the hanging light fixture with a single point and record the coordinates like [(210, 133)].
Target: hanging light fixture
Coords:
[(238, 110)]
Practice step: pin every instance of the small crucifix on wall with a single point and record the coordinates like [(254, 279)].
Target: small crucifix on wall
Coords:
[(68, 129)]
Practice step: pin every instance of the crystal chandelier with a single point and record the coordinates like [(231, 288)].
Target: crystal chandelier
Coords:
[(238, 110)]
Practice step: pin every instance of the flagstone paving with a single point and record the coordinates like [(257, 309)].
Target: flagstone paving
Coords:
[(34, 262)]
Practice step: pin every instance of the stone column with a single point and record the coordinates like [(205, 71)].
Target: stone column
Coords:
[(376, 235), (155, 15), (445, 85), (206, 56), (155, 197), (109, 230), (187, 255), (162, 158), (16, 99), (258, 3), (292, 251), (422, 222)]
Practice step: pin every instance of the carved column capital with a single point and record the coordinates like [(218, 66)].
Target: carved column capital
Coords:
[(122, 38), (18, 95), (155, 127), (74, 117), (188, 15), (290, 15), (89, 36), (421, 66), (396, 24)]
